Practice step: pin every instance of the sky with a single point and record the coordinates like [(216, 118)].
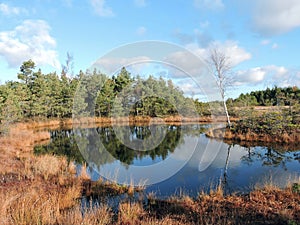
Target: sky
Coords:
[(260, 37)]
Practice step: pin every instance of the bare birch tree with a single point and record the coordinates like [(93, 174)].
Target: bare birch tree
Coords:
[(222, 69)]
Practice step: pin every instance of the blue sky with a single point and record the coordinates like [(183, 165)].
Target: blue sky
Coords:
[(261, 37)]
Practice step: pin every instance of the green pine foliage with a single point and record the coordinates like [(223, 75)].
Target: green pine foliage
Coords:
[(39, 95), (276, 96)]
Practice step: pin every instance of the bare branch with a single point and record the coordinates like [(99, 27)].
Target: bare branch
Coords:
[(67, 69), (222, 70)]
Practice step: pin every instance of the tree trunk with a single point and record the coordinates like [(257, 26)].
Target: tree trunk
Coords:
[(224, 182), (226, 111)]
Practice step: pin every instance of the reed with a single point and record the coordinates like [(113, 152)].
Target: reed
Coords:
[(36, 202), (100, 215), (130, 213), (45, 190)]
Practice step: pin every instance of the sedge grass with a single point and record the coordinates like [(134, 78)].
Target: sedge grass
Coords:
[(38, 196)]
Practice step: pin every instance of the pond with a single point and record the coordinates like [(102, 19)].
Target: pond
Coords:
[(174, 159)]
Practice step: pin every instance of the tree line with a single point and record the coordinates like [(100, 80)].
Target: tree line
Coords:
[(275, 96), (39, 95)]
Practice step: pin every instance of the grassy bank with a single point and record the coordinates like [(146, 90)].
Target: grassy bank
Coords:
[(41, 122), (45, 190), (273, 127)]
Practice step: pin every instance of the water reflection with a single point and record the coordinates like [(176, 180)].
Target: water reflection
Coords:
[(238, 166), (119, 150)]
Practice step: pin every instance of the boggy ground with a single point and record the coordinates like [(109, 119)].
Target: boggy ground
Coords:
[(45, 190), (271, 127), (249, 135)]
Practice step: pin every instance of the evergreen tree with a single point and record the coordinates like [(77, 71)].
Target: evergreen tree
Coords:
[(26, 70)]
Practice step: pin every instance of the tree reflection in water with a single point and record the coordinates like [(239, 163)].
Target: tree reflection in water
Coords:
[(64, 142), (240, 163)]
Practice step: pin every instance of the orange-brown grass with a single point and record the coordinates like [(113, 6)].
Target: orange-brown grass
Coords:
[(48, 168), (251, 136), (268, 205), (37, 201), (15, 145), (133, 120), (130, 213), (100, 215), (276, 146), (133, 213), (33, 189), (83, 173), (227, 134), (216, 133), (103, 188), (44, 190)]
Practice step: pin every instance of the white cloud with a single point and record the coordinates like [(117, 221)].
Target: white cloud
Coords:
[(272, 17), (251, 76), (30, 40), (277, 71), (101, 8), (209, 4), (184, 60), (233, 51), (9, 10), (269, 75), (189, 87), (140, 3), (281, 76), (195, 66), (141, 31)]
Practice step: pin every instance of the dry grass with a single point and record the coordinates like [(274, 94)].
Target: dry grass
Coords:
[(84, 175), (37, 206), (17, 145), (103, 188), (100, 215), (136, 120), (33, 189), (250, 136), (36, 202), (46, 166), (130, 213), (263, 206), (44, 190)]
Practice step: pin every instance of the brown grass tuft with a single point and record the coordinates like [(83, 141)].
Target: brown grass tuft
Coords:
[(83, 173), (100, 215), (44, 190), (130, 213)]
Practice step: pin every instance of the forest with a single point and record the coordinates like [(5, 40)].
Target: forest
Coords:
[(275, 96), (38, 95)]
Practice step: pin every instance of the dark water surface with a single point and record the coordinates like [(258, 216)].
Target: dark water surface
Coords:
[(180, 159)]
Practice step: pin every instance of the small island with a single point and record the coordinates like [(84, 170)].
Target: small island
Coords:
[(271, 115)]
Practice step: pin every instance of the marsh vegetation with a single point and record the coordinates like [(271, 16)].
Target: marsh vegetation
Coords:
[(46, 179)]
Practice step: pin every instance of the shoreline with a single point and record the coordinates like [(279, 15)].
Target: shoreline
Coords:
[(46, 189), (138, 120), (250, 136)]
